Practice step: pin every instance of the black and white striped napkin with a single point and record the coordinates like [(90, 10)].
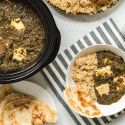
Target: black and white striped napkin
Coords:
[(55, 73)]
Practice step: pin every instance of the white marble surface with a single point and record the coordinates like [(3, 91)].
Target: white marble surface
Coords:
[(72, 28)]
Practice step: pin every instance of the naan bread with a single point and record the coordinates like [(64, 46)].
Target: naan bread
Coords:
[(17, 112), (32, 112), (20, 109), (11, 97), (4, 91), (82, 104)]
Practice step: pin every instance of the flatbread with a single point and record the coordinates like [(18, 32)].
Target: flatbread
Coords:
[(11, 97), (31, 111), (21, 109), (4, 91)]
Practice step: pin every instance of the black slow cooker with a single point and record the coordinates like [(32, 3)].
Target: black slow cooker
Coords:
[(51, 49)]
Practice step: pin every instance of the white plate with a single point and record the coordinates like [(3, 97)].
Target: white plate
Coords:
[(105, 109), (35, 90)]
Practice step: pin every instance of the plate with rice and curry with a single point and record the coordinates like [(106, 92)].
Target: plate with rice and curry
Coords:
[(95, 83)]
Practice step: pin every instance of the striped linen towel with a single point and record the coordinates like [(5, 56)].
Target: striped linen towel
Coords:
[(55, 73)]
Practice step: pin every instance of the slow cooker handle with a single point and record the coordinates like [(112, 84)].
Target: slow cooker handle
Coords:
[(56, 48)]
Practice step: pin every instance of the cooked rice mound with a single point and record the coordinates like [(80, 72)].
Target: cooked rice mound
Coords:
[(82, 6), (82, 74)]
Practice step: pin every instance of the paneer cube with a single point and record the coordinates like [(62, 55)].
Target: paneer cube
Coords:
[(20, 54), (18, 24)]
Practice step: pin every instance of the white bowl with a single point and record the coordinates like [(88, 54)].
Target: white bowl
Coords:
[(105, 109)]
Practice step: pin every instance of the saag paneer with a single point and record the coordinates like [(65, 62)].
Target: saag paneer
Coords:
[(22, 36), (114, 77)]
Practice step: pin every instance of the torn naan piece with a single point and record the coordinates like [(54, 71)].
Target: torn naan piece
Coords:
[(80, 103)]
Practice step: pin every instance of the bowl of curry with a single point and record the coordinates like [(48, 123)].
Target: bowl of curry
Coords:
[(29, 39), (95, 81)]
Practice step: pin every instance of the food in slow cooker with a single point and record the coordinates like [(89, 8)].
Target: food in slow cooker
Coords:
[(22, 36), (100, 76), (83, 6)]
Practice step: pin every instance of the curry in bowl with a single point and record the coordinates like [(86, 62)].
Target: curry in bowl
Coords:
[(22, 36), (95, 83), (101, 76)]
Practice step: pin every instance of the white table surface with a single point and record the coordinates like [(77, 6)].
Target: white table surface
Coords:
[(72, 28)]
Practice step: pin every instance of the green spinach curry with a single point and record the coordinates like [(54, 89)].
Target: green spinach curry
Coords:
[(22, 36), (113, 79)]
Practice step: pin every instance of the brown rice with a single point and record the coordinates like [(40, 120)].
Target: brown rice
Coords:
[(81, 6), (82, 74)]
